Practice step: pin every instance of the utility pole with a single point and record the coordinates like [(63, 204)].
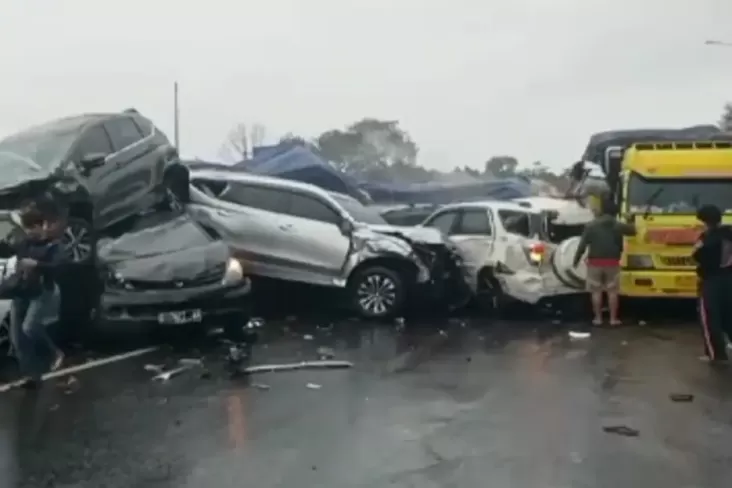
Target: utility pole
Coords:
[(176, 117)]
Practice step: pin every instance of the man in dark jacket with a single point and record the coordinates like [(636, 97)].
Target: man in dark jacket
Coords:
[(602, 239), (713, 255)]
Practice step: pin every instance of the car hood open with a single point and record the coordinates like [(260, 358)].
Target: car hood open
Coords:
[(174, 250)]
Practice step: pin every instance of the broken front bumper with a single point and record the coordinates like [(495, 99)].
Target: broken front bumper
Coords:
[(139, 310)]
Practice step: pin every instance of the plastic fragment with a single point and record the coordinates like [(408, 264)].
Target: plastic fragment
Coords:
[(308, 337), (621, 430), (165, 376), (325, 353), (190, 361), (681, 397), (321, 364), (314, 386)]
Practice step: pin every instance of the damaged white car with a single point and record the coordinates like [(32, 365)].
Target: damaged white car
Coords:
[(511, 250), (298, 232)]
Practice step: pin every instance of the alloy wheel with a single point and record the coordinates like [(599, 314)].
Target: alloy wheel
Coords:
[(77, 241), (377, 294)]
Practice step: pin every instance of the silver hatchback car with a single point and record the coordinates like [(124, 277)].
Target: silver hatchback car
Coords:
[(298, 232)]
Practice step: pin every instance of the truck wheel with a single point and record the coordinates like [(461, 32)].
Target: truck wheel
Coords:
[(377, 292)]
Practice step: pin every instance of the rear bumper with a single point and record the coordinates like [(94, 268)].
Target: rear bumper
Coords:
[(122, 310), (658, 284)]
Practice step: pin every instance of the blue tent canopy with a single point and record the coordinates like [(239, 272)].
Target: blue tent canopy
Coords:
[(503, 189), (295, 162)]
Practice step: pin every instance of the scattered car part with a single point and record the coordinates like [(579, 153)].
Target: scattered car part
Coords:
[(273, 368)]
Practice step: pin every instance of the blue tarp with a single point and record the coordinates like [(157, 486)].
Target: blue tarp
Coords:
[(295, 162), (299, 163), (503, 189)]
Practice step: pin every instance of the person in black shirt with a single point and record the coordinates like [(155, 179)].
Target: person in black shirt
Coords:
[(713, 255)]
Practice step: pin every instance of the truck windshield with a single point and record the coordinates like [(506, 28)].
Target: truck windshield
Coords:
[(677, 196)]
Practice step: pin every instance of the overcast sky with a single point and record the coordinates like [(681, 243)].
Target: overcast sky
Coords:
[(467, 78)]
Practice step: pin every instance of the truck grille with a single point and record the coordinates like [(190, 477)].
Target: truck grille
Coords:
[(677, 261)]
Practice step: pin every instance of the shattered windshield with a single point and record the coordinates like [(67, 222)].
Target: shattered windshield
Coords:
[(40, 148), (676, 196), (359, 212)]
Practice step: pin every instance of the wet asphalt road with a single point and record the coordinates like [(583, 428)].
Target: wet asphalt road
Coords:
[(454, 405)]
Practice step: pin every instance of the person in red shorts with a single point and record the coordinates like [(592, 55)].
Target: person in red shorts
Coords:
[(602, 239)]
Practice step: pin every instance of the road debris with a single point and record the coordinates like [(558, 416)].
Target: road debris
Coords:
[(621, 430), (308, 337), (255, 323), (154, 368), (321, 364), (314, 386), (681, 397), (325, 353), (165, 376), (215, 332), (261, 386), (190, 361)]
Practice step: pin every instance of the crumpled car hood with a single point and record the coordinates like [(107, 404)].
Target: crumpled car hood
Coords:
[(423, 235), (170, 250), (187, 264)]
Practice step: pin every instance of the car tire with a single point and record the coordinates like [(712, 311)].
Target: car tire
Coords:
[(79, 241), (6, 348), (377, 292), (490, 293), (175, 190)]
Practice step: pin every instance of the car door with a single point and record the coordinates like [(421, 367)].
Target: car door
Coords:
[(135, 165), (248, 217), (98, 181), (474, 234), (314, 238)]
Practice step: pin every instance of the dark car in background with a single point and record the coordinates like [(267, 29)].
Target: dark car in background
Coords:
[(170, 272), (103, 167)]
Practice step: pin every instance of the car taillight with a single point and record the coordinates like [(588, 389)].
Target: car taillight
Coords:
[(535, 253)]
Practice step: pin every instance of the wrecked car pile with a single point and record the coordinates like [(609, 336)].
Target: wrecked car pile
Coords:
[(298, 232)]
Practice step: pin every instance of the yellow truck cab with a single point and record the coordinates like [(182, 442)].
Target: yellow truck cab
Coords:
[(663, 185), (658, 186)]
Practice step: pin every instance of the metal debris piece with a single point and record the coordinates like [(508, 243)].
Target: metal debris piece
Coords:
[(642, 323), (205, 374), (154, 368), (325, 353), (261, 386), (314, 386), (190, 361), (165, 376), (399, 320), (322, 364), (308, 337), (255, 323), (681, 397), (621, 430), (215, 332)]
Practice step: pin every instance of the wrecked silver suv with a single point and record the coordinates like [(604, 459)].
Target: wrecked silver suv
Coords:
[(298, 232)]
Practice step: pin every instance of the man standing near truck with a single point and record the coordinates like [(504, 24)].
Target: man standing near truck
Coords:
[(602, 239), (713, 255)]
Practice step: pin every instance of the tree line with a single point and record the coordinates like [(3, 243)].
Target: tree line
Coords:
[(381, 150)]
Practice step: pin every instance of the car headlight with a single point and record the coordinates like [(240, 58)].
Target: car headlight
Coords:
[(234, 272), (640, 261)]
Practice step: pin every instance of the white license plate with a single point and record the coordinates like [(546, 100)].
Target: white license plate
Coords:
[(181, 317)]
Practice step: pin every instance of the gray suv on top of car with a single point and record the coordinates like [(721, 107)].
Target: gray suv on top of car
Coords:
[(104, 167), (298, 232)]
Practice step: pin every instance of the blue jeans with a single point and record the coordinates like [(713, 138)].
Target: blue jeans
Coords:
[(33, 347)]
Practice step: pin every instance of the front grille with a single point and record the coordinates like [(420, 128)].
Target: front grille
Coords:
[(677, 261), (209, 277)]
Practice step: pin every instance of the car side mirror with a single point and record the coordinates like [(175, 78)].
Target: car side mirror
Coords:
[(92, 160), (346, 227)]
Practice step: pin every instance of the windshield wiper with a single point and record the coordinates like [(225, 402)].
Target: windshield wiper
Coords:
[(651, 200)]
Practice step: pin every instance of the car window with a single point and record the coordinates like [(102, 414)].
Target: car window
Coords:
[(123, 131), (310, 208), (263, 198), (144, 126), (516, 222), (474, 222), (94, 141), (443, 221)]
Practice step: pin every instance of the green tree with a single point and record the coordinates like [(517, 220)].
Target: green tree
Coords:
[(725, 122), (501, 166), (368, 146)]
